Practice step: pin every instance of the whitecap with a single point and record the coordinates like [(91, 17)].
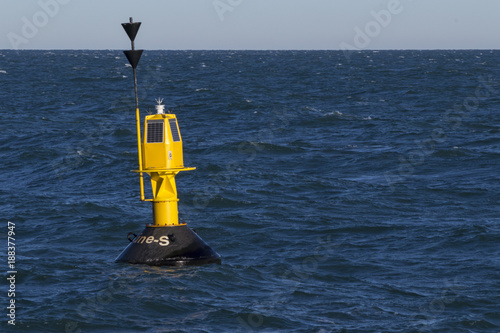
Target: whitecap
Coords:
[(334, 113), (2, 71), (310, 108)]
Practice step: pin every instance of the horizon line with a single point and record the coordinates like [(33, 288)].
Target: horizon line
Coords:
[(337, 50)]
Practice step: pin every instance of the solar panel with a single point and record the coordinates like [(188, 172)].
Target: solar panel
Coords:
[(175, 132), (155, 131)]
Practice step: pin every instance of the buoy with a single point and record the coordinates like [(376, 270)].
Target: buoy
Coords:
[(160, 155)]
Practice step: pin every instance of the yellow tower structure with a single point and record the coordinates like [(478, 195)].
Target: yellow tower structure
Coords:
[(162, 160)]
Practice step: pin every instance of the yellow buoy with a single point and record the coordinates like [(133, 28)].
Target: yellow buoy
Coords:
[(165, 241)]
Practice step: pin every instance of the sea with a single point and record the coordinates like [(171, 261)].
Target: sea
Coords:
[(352, 191)]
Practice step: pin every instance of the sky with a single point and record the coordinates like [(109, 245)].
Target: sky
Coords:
[(251, 24)]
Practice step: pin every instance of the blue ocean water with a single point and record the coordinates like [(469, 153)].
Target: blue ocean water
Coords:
[(345, 192)]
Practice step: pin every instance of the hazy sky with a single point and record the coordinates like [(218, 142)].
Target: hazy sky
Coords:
[(251, 24)]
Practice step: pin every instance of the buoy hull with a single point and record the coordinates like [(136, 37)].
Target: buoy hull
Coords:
[(168, 246)]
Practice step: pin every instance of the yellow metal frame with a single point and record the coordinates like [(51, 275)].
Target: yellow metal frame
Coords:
[(139, 150), (163, 162)]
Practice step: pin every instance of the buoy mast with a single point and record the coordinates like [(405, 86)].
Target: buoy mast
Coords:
[(133, 57)]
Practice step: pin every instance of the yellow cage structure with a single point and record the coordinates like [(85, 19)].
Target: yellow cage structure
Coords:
[(162, 160)]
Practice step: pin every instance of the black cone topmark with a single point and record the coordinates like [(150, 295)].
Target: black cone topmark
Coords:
[(131, 29), (133, 57)]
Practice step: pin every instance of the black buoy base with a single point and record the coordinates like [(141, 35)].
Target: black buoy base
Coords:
[(168, 246)]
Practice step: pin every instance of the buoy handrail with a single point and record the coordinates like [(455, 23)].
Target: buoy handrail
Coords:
[(166, 170)]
